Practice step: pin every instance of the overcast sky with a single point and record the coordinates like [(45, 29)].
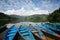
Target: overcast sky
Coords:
[(28, 7)]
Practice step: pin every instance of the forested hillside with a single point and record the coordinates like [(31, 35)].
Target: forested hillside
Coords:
[(54, 16), (37, 18), (4, 18)]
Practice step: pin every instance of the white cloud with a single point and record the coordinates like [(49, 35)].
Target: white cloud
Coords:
[(47, 4), (23, 12), (27, 8), (17, 4)]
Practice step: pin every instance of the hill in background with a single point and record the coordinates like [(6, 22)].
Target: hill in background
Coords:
[(37, 18), (32, 18), (4, 18)]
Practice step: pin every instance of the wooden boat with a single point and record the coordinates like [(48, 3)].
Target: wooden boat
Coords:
[(3, 28), (52, 27), (25, 33), (57, 25), (36, 31), (10, 33), (45, 29), (57, 30)]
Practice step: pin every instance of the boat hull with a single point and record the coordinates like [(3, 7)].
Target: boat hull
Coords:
[(10, 33), (25, 33), (40, 33), (46, 30)]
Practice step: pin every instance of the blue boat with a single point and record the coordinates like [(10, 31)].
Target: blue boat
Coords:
[(48, 30), (40, 33), (25, 33), (10, 33), (3, 28), (57, 25), (53, 28)]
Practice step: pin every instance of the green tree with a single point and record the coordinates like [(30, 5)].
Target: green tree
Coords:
[(54, 16)]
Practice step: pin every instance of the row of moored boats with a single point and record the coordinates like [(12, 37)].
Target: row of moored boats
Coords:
[(28, 32)]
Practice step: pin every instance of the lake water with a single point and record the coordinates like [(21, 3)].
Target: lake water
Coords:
[(23, 23)]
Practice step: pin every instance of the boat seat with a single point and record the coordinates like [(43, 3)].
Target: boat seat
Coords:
[(25, 34), (24, 31), (10, 35), (12, 32)]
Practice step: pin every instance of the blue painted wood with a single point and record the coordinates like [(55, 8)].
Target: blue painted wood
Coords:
[(57, 25), (10, 33), (37, 28), (46, 29), (25, 33), (53, 28)]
